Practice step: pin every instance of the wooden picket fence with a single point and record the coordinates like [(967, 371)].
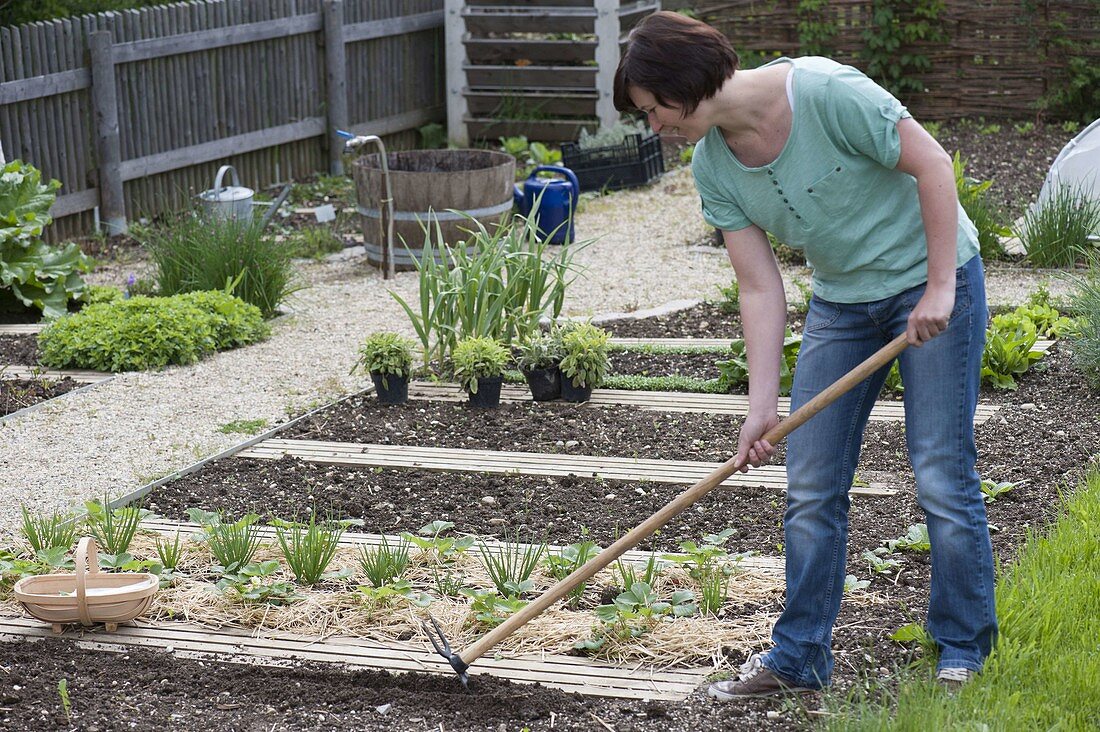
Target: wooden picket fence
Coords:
[(134, 111)]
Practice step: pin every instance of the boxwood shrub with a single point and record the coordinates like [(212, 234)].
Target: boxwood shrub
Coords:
[(150, 332)]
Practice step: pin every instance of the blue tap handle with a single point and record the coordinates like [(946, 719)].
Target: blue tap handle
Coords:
[(570, 176)]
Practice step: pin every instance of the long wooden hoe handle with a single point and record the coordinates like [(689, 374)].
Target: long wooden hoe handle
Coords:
[(678, 504)]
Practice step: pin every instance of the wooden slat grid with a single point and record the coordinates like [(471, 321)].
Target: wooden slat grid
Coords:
[(351, 539), (199, 97), (999, 59), (668, 401), (32, 372), (569, 673), (683, 472)]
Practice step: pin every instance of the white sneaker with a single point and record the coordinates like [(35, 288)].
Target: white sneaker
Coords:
[(954, 678)]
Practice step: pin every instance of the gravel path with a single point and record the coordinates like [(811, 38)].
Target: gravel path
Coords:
[(140, 426)]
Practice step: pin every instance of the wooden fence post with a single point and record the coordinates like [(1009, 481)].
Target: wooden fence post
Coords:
[(108, 147), (335, 83), (454, 28), (607, 60)]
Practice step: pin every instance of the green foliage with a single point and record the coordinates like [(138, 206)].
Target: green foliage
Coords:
[(915, 539), (32, 273), (974, 200), (489, 608), (687, 154), (627, 572), (169, 554), (637, 610), (309, 549), (1008, 354), (663, 383), (16, 12), (402, 589), (1086, 335), (585, 347), (734, 373), (95, 294), (807, 293), (992, 490), (232, 544), (113, 529), (149, 333), (66, 702), (478, 358), (433, 136), (510, 566), (699, 556), (243, 426), (46, 532), (1077, 95), (540, 351), (314, 242), (431, 539), (384, 563), (567, 561), (499, 290), (528, 155), (1024, 129), (731, 298), (817, 28), (207, 253), (879, 563), (853, 583), (890, 55), (385, 353), (1055, 233), (255, 584), (610, 136)]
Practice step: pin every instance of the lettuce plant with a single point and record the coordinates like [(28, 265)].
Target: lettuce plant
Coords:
[(1008, 353), (34, 274), (735, 371)]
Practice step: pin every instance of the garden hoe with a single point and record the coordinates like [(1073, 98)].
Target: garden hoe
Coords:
[(460, 662)]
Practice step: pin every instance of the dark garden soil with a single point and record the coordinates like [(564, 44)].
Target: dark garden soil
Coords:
[(16, 394), (19, 349), (694, 365), (706, 320)]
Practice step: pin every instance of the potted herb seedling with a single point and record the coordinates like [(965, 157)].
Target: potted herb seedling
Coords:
[(538, 359), (584, 361), (387, 357), (479, 368)]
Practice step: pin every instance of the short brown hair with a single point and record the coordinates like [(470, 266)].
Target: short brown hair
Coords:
[(676, 59)]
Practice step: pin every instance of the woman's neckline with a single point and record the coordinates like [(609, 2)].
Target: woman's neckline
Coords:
[(790, 133)]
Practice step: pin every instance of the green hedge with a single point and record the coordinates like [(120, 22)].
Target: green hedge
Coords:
[(150, 332)]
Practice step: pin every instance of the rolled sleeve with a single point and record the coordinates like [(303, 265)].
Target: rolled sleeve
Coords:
[(865, 116)]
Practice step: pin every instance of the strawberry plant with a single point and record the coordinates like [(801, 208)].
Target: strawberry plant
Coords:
[(254, 584), (431, 539), (489, 608), (636, 611)]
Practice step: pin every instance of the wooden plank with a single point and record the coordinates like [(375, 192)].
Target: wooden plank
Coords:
[(496, 50), (353, 539), (33, 372), (398, 122), (205, 40), (670, 401), (579, 103), (108, 150), (523, 77), (47, 85), (484, 20), (225, 147), (336, 87), (21, 328), (520, 463), (1041, 346), (544, 130), (240, 645), (396, 26)]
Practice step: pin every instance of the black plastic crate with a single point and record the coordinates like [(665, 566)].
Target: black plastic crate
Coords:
[(633, 162)]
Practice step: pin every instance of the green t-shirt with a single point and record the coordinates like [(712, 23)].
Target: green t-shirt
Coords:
[(833, 190)]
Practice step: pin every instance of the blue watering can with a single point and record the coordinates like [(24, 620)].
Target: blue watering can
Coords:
[(552, 200)]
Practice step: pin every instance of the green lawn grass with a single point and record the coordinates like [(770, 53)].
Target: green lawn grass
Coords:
[(1045, 671)]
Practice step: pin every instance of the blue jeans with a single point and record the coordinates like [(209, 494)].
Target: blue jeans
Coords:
[(941, 380)]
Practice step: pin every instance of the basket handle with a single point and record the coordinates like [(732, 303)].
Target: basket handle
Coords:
[(87, 559)]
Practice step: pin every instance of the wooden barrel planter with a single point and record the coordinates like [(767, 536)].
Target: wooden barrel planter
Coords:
[(478, 182)]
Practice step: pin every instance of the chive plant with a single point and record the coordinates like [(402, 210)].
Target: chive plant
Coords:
[(1056, 233), (511, 565), (309, 549), (169, 554), (113, 529), (47, 532), (234, 544), (384, 563)]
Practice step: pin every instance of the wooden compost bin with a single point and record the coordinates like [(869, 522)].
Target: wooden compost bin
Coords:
[(478, 182)]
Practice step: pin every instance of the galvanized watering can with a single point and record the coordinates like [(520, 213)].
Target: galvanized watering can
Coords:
[(231, 203), (552, 201)]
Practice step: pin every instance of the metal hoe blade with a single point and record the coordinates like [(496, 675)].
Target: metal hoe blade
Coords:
[(443, 648)]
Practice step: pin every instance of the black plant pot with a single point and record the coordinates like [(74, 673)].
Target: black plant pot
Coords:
[(572, 393), (488, 392), (394, 390), (545, 383)]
